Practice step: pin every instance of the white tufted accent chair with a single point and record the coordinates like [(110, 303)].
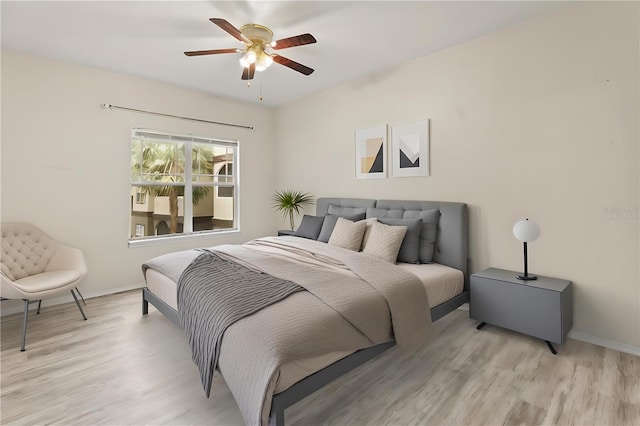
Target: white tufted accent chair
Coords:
[(35, 266)]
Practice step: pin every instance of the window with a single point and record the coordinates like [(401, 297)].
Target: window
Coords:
[(141, 196), (182, 185), (225, 171)]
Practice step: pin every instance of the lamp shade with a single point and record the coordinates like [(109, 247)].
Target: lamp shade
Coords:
[(526, 230)]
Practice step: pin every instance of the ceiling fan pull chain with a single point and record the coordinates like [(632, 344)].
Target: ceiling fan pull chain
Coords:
[(260, 91)]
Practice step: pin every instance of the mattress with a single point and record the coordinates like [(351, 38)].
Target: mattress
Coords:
[(441, 282)]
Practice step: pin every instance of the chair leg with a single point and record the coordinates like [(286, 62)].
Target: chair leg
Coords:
[(81, 296), (24, 325), (39, 304), (78, 303)]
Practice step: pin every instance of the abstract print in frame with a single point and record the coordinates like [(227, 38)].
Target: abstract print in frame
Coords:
[(371, 148), (410, 149)]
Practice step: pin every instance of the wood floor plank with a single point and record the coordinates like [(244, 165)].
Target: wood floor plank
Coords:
[(122, 368)]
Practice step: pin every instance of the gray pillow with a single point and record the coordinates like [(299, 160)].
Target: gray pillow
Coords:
[(310, 227), (354, 217), (327, 227), (330, 223), (429, 232), (410, 248)]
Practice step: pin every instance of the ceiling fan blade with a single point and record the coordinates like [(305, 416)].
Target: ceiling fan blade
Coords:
[(225, 25), (292, 64), (211, 52), (247, 73), (298, 40)]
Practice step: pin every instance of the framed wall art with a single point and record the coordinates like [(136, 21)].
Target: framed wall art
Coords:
[(371, 153), (410, 149)]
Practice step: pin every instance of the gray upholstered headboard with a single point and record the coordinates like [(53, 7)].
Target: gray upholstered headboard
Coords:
[(452, 241), (322, 204)]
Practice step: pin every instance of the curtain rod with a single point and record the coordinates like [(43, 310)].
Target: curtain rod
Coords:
[(109, 106)]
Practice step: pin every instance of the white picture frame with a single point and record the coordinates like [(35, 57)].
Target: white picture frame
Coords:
[(410, 149), (371, 153)]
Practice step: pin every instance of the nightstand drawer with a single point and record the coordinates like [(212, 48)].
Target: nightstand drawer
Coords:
[(541, 308), (531, 311)]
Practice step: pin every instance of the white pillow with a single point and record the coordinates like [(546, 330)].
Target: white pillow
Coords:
[(384, 241), (367, 231), (348, 234)]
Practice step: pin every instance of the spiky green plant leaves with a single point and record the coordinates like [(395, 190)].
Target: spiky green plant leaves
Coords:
[(289, 202)]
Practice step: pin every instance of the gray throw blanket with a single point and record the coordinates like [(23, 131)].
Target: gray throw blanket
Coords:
[(208, 307)]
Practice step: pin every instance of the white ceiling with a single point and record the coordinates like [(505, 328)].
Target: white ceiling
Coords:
[(148, 38)]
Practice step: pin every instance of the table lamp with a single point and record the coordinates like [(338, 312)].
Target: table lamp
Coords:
[(526, 231)]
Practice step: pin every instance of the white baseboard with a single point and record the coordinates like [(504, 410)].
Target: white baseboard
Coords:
[(588, 338), (609, 344), (9, 307)]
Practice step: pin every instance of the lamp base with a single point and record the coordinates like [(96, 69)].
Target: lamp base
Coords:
[(528, 277)]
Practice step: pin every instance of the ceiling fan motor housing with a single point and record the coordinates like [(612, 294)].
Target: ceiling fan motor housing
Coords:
[(258, 34)]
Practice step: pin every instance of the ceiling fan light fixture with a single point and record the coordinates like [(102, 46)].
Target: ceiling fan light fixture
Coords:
[(248, 58), (263, 61)]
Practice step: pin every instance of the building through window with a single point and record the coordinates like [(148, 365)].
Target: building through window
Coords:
[(182, 185), (141, 196), (139, 230)]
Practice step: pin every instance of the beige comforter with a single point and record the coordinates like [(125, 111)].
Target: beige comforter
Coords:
[(353, 301)]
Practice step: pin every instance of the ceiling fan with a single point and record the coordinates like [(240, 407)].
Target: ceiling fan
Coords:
[(257, 55)]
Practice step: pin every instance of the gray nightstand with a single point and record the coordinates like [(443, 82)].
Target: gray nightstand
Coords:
[(542, 308), (286, 232)]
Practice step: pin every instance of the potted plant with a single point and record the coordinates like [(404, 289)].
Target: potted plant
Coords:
[(289, 202)]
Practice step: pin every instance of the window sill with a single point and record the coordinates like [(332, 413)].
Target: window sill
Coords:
[(156, 241)]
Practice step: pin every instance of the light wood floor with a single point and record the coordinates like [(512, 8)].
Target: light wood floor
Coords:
[(121, 368)]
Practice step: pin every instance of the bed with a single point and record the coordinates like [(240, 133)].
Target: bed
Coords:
[(444, 281)]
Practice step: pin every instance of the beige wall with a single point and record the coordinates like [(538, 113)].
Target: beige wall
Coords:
[(65, 160), (540, 120)]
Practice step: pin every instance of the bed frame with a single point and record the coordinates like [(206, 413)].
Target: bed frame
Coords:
[(451, 250)]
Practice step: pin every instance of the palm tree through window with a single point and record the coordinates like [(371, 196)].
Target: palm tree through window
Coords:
[(181, 184)]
